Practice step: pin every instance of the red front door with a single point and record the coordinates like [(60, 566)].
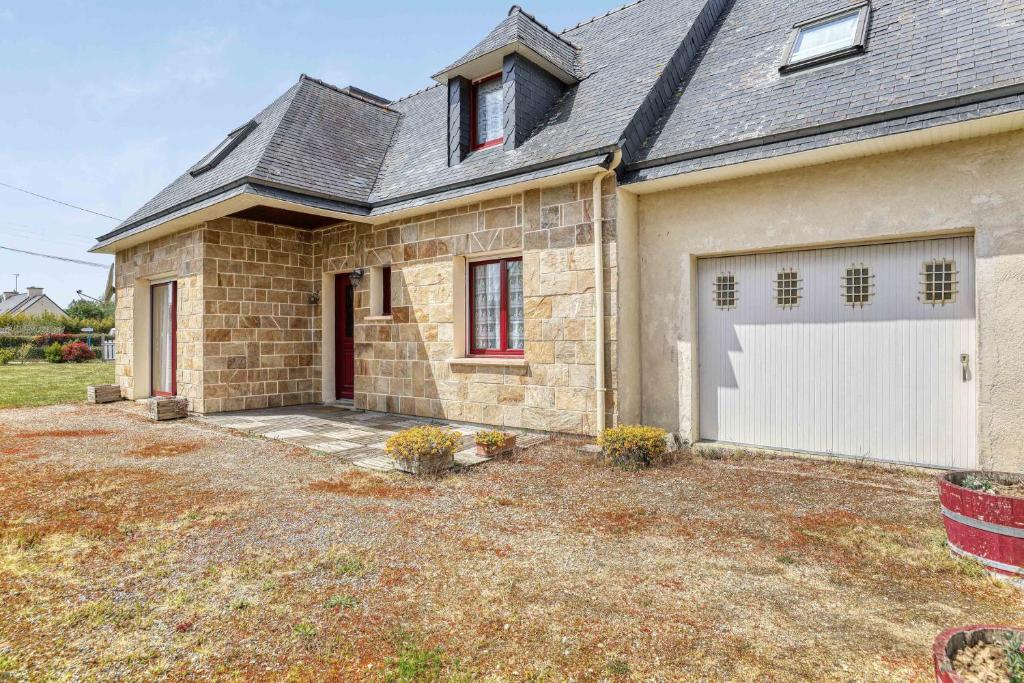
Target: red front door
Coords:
[(344, 337)]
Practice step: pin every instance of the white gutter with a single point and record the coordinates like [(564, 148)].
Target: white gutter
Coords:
[(600, 389)]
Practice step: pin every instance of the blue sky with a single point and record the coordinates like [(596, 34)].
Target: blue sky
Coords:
[(104, 103)]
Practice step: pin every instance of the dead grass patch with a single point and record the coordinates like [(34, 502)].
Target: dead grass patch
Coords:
[(365, 485), (62, 433), (618, 521), (165, 450)]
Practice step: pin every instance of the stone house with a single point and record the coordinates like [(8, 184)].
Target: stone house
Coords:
[(784, 225)]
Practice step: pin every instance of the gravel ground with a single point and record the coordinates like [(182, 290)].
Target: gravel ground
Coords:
[(132, 550)]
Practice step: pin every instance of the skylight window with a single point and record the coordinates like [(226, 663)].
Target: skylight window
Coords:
[(829, 37), (218, 153)]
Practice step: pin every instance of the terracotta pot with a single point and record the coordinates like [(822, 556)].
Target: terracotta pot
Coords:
[(984, 526), (492, 451), (951, 641)]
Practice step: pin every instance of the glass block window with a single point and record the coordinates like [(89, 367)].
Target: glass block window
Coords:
[(787, 289), (939, 282), (858, 286), (725, 291), (496, 307)]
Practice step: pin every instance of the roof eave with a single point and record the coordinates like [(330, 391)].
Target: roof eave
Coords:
[(491, 62)]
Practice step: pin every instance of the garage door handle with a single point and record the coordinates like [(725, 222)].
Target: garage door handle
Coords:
[(965, 363)]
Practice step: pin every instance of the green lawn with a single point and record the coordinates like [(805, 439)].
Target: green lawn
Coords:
[(40, 384)]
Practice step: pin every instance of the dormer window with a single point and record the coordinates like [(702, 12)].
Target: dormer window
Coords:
[(488, 112), (829, 37), (218, 153)]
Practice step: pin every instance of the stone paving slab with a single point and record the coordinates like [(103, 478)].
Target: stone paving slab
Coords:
[(350, 435)]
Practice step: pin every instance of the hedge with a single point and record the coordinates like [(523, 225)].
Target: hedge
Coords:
[(16, 341)]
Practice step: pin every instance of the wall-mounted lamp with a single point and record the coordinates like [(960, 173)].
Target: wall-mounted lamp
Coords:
[(314, 297), (355, 276)]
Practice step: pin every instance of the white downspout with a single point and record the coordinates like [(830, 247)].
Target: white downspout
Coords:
[(600, 388)]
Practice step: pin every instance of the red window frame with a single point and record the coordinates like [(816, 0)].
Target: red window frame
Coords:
[(385, 290), (473, 103), (503, 320)]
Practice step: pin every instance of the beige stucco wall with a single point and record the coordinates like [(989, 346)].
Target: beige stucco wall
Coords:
[(974, 186)]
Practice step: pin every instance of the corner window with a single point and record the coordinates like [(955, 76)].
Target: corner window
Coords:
[(830, 37), (488, 107), (496, 307), (217, 154)]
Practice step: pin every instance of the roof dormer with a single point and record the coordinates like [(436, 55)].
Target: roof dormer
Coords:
[(500, 90), (519, 34)]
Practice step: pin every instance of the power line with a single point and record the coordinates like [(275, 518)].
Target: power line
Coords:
[(59, 258), (57, 201)]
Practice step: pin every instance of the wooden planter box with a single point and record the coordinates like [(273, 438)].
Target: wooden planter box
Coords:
[(500, 449), (103, 393), (985, 526), (433, 466), (168, 408), (950, 642)]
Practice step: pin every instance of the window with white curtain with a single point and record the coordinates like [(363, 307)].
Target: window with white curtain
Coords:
[(836, 35), (488, 112), (496, 307)]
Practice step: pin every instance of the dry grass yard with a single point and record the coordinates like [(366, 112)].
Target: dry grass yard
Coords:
[(131, 550)]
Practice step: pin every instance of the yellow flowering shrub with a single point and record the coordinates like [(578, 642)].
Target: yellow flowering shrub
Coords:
[(633, 446), (491, 439), (424, 449)]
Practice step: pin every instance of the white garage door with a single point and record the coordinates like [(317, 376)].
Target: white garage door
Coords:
[(859, 351)]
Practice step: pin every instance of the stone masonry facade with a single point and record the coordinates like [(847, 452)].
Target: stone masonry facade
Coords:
[(249, 320)]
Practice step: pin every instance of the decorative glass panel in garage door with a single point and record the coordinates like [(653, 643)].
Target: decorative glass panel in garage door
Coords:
[(890, 377)]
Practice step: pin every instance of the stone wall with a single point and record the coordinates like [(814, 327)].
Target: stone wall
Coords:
[(176, 257), (258, 320), (405, 364), (250, 335)]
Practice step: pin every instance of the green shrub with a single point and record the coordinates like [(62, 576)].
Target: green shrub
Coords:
[(1014, 649), (633, 447), (424, 449), (54, 353), (7, 355)]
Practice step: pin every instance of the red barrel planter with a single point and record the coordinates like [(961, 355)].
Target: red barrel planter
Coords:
[(984, 526), (951, 641)]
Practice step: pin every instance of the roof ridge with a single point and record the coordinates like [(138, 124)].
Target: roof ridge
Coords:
[(344, 91), (610, 12), (520, 10), (418, 92)]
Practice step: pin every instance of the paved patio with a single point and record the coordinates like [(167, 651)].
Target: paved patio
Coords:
[(355, 436)]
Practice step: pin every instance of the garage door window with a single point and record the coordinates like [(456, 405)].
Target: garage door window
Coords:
[(787, 289), (725, 291), (939, 282), (858, 286)]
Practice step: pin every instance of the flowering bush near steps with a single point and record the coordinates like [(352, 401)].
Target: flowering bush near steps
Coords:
[(633, 447), (424, 450)]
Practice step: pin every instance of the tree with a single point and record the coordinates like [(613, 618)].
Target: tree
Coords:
[(83, 309)]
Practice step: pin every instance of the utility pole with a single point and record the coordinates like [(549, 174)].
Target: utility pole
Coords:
[(16, 276)]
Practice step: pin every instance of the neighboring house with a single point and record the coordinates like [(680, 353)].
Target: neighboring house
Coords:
[(32, 302), (811, 215)]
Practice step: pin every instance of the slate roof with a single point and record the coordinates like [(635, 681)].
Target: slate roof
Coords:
[(622, 54), (919, 52), (678, 85), (523, 28), (325, 140)]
